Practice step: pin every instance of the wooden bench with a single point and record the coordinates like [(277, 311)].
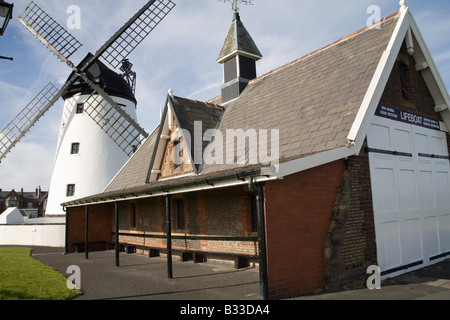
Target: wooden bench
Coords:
[(131, 248), (241, 261), (80, 246), (197, 256)]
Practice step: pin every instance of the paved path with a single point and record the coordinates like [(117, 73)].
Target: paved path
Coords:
[(143, 278), (432, 283)]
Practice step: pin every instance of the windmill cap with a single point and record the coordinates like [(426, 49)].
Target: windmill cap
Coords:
[(111, 82)]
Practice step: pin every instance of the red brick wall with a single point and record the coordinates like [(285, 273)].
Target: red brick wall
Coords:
[(420, 100), (101, 223), (298, 211)]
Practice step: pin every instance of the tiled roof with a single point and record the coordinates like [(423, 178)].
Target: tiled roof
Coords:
[(312, 101), (26, 196), (188, 112), (238, 39), (134, 173)]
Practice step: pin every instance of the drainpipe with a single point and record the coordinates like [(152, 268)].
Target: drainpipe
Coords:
[(66, 240), (169, 238), (86, 232), (257, 189), (117, 246)]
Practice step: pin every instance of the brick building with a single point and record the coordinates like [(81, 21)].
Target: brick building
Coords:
[(352, 170), (31, 203)]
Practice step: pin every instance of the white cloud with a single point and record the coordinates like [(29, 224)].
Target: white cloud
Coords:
[(28, 166)]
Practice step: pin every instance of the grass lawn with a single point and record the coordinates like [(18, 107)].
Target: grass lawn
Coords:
[(24, 278)]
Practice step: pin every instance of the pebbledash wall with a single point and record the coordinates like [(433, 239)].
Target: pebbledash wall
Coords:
[(215, 221)]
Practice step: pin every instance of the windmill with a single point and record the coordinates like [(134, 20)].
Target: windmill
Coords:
[(100, 106)]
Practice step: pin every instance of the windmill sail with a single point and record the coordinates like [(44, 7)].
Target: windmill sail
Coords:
[(87, 91), (27, 118), (62, 44), (120, 45), (116, 123), (49, 32), (117, 127)]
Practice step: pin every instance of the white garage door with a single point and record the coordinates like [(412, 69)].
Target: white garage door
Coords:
[(410, 168)]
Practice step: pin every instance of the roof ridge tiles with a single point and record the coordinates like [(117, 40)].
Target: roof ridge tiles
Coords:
[(207, 103)]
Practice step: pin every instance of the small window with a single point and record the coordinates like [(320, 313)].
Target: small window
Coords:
[(70, 190), (80, 108), (13, 202), (177, 154), (181, 223), (405, 93), (132, 215), (75, 148)]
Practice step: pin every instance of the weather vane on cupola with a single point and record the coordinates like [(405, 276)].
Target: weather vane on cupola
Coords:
[(235, 3)]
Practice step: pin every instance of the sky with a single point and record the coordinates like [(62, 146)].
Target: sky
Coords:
[(180, 54)]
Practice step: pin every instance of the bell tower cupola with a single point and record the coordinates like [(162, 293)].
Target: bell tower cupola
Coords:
[(238, 57)]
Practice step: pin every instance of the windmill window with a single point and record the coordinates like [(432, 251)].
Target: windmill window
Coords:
[(75, 148), (80, 108), (70, 190)]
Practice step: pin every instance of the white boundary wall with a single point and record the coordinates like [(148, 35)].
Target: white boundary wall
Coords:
[(29, 234)]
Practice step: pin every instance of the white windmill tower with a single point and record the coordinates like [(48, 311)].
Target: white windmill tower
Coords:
[(98, 131), (86, 157)]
